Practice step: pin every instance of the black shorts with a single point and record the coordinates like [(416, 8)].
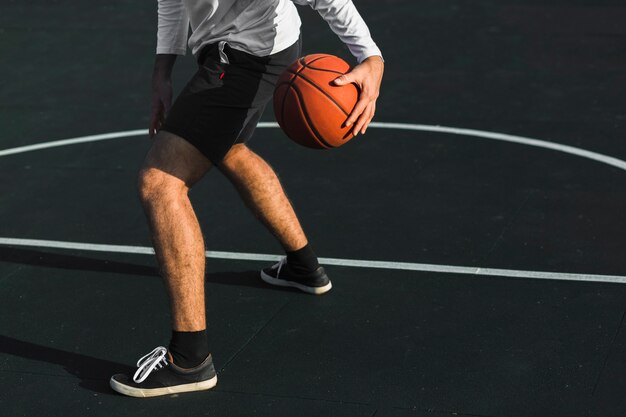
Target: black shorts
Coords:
[(222, 104)]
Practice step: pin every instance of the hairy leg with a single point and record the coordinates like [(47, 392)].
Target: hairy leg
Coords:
[(171, 167), (260, 188)]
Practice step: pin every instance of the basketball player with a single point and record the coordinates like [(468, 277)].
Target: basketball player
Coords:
[(241, 46)]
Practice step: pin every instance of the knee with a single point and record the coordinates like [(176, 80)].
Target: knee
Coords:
[(156, 186), (148, 185), (238, 155)]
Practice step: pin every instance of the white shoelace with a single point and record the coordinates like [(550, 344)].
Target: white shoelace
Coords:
[(149, 362), (280, 265)]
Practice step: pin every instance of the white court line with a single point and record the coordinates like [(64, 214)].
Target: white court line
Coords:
[(404, 266), (538, 143), (605, 159), (73, 141)]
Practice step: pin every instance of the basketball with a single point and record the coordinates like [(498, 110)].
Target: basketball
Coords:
[(309, 108)]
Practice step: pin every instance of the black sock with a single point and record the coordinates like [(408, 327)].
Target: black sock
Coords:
[(303, 260), (189, 349)]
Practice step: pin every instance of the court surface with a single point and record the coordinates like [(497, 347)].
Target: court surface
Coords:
[(475, 237)]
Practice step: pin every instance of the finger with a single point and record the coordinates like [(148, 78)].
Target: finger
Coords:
[(157, 116), (360, 106), (344, 79), (363, 118), (372, 111), (155, 123), (152, 125), (152, 129)]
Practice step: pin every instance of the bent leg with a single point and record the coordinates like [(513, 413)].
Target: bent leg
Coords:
[(170, 169), (262, 192)]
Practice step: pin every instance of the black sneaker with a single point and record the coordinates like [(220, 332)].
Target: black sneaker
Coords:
[(158, 375), (316, 282)]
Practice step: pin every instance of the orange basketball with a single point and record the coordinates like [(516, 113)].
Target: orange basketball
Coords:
[(309, 108)]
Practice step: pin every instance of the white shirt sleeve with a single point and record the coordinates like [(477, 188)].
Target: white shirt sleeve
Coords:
[(173, 27), (346, 22)]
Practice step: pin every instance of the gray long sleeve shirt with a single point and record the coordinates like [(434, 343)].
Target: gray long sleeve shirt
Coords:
[(259, 27)]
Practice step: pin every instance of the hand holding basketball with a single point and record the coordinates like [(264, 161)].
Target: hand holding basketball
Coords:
[(367, 76), (309, 107), (317, 99)]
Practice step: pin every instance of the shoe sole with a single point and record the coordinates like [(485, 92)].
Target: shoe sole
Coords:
[(284, 283), (155, 392)]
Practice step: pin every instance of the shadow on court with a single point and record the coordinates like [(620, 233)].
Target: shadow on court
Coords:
[(383, 343), (44, 259), (94, 373)]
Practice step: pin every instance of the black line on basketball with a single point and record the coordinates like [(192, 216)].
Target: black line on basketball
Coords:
[(301, 60), (289, 85), (308, 119), (289, 70), (323, 92), (320, 69)]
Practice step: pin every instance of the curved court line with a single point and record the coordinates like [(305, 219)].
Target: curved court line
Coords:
[(73, 141), (608, 160), (605, 159), (598, 157), (356, 263)]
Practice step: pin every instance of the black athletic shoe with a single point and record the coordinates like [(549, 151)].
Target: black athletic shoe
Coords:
[(158, 375), (316, 282)]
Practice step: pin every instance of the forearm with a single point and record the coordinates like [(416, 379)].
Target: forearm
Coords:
[(161, 90), (163, 65)]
